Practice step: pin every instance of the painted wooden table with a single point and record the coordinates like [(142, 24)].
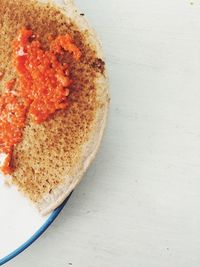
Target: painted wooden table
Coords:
[(139, 204)]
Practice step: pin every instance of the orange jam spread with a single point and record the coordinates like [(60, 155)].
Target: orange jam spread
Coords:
[(10, 84), (42, 87), (12, 121)]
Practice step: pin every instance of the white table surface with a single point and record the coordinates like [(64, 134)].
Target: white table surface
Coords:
[(139, 204)]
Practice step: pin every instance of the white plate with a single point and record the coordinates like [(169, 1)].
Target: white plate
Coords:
[(20, 223)]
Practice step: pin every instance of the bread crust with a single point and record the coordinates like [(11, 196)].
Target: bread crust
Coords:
[(52, 157), (89, 150)]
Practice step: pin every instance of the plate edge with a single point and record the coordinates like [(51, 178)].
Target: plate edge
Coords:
[(36, 235)]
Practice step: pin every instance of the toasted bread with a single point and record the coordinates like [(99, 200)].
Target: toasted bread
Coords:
[(53, 156)]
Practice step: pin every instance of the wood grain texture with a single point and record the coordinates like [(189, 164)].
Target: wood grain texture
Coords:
[(139, 204)]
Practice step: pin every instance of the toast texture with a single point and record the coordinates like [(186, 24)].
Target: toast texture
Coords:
[(53, 156)]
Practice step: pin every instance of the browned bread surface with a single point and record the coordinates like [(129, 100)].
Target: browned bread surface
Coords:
[(49, 151)]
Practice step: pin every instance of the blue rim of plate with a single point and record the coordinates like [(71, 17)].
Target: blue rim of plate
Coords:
[(36, 235)]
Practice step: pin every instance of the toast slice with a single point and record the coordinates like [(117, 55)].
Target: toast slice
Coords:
[(53, 156)]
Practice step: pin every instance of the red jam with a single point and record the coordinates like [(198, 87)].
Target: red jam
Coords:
[(43, 88), (10, 84)]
